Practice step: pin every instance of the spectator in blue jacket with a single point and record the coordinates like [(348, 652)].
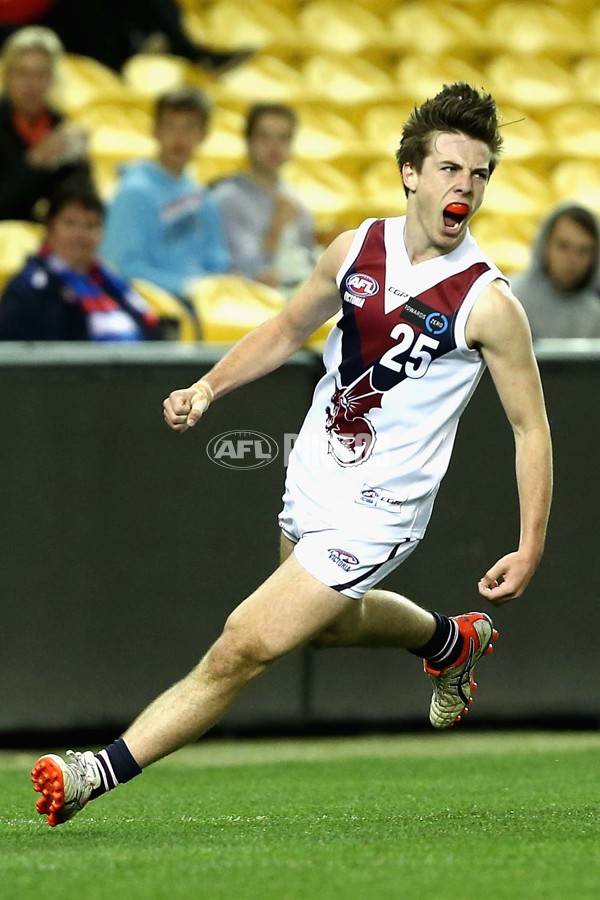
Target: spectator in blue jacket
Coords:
[(162, 225), (63, 293)]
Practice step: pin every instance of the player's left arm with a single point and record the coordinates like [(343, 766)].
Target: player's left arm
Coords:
[(498, 326)]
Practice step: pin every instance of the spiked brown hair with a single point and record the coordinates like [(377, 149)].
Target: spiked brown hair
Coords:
[(458, 107)]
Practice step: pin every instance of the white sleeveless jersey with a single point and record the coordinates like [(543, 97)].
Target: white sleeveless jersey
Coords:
[(378, 437)]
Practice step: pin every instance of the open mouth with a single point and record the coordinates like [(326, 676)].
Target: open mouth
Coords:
[(454, 215)]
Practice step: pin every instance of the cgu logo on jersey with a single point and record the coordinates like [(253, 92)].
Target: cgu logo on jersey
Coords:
[(342, 558), (358, 287), (380, 497), (368, 496)]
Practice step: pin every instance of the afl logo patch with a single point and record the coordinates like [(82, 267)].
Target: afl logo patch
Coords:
[(362, 285)]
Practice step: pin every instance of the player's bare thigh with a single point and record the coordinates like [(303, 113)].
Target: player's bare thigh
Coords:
[(349, 616), (287, 610)]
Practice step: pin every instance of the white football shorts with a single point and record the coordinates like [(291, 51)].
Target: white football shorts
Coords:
[(349, 564)]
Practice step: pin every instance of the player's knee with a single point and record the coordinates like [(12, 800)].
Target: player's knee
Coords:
[(239, 650)]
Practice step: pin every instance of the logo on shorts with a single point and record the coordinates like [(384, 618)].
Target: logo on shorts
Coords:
[(342, 558)]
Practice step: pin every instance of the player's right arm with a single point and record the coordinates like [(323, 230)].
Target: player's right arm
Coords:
[(267, 347)]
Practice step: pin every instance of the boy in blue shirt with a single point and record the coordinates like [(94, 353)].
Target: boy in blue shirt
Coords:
[(162, 225)]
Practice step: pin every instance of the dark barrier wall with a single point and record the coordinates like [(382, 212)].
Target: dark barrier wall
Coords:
[(124, 547)]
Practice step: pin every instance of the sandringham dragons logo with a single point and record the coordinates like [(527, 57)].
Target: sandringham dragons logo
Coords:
[(351, 436)]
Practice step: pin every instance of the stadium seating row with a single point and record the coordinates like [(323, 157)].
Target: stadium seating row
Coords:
[(344, 151), (427, 26), (535, 83)]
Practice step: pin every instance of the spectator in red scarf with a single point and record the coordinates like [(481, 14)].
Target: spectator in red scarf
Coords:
[(38, 149), (64, 293)]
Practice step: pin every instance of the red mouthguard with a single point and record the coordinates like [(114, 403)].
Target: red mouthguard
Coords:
[(459, 209)]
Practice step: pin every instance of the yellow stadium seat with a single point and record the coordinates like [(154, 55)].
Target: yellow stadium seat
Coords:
[(381, 127), (433, 28), (383, 6), (225, 136), (524, 137), (168, 308), (127, 113), (419, 77), (82, 80), (228, 307), (476, 6), (194, 22), (382, 193), (232, 25), (264, 79), (575, 131), (329, 193), (18, 240), (592, 24), (507, 240), (529, 82), (120, 146), (333, 79), (587, 79), (515, 190), (148, 75), (323, 134), (340, 27), (119, 129), (578, 181), (534, 28)]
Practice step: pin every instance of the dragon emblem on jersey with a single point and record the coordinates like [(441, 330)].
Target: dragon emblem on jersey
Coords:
[(351, 435)]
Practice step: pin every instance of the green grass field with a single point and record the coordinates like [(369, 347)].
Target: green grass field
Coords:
[(449, 816)]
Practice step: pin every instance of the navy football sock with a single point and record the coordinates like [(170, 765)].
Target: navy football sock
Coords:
[(445, 646), (116, 766)]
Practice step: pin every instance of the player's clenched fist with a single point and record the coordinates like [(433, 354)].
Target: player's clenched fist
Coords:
[(183, 408)]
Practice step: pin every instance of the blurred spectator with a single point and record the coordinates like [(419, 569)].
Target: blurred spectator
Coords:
[(162, 225), (113, 30), (558, 288), (63, 293), (270, 233), (38, 149)]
